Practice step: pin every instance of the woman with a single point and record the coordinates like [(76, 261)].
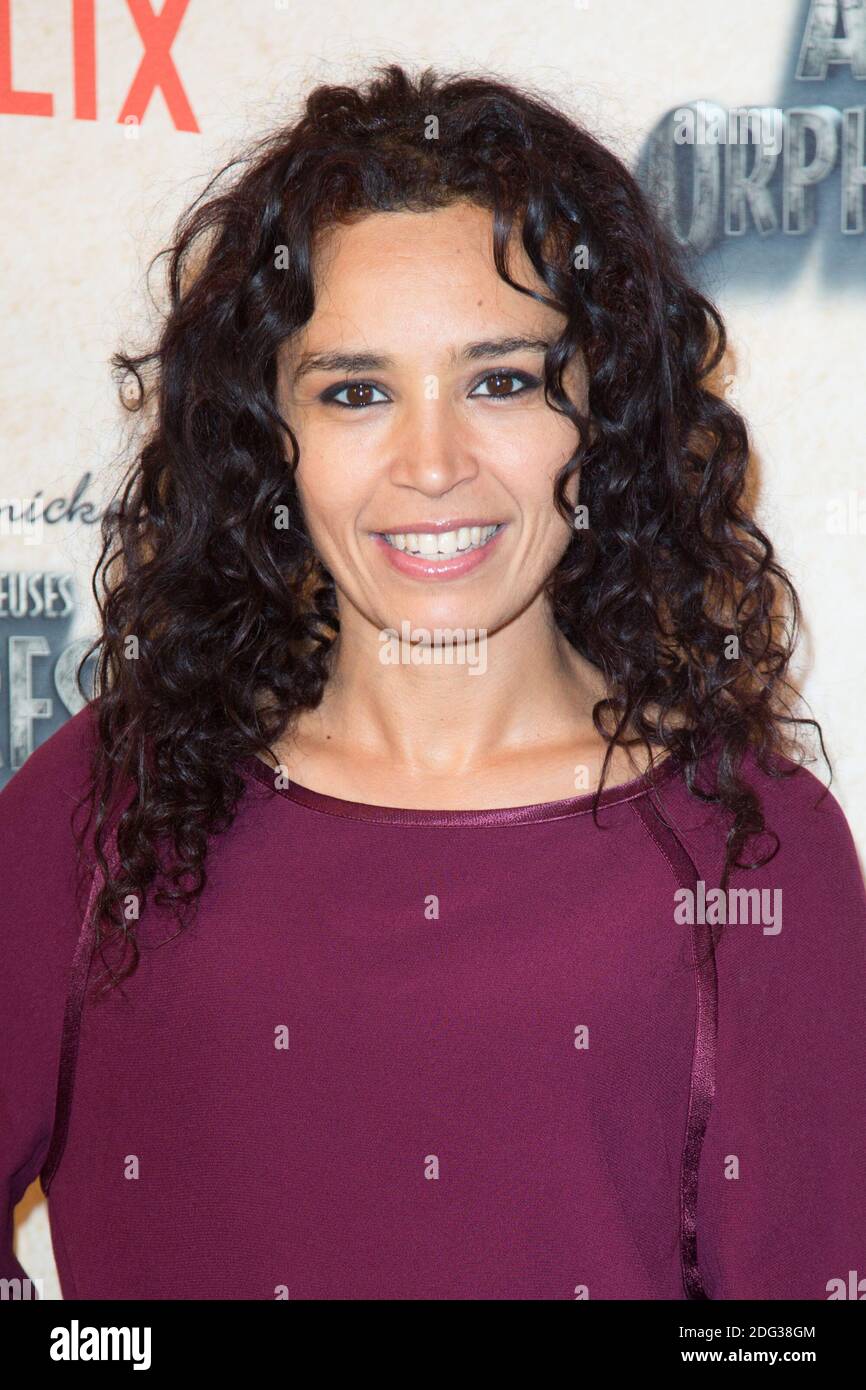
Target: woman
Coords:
[(462, 926)]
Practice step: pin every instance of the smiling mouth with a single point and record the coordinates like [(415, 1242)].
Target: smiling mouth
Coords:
[(430, 545)]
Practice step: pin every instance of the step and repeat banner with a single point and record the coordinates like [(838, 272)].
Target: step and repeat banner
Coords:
[(747, 122)]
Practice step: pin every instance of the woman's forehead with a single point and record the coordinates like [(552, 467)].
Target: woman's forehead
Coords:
[(423, 267)]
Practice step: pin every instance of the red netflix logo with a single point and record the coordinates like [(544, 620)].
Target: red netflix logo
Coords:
[(156, 69)]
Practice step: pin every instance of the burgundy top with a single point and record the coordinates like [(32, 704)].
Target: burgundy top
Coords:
[(409, 1054)]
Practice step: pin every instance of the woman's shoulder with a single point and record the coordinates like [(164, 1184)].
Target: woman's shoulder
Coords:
[(45, 821), (785, 787), (798, 809), (54, 776), (795, 795), (817, 862)]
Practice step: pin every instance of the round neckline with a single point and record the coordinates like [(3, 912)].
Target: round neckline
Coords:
[(339, 806)]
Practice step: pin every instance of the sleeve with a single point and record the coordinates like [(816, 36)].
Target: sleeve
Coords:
[(40, 890), (781, 1210)]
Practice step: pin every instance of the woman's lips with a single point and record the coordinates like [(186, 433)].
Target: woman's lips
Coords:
[(423, 567)]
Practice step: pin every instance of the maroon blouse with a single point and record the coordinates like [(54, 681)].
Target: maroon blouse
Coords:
[(416, 1054)]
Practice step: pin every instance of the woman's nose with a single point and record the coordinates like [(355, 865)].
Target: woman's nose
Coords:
[(431, 450)]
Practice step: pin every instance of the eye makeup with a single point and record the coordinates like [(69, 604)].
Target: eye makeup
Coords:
[(528, 382)]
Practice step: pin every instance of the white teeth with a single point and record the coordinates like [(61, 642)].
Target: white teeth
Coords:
[(445, 543)]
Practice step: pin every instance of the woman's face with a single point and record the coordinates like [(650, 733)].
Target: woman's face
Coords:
[(416, 395)]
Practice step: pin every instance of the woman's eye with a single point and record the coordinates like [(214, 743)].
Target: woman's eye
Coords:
[(500, 383), (359, 393)]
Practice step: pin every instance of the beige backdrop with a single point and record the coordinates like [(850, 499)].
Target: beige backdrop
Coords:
[(90, 199)]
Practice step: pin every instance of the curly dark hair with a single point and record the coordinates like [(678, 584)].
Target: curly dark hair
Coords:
[(233, 618)]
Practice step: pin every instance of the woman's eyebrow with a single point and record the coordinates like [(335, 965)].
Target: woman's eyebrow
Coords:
[(372, 361)]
